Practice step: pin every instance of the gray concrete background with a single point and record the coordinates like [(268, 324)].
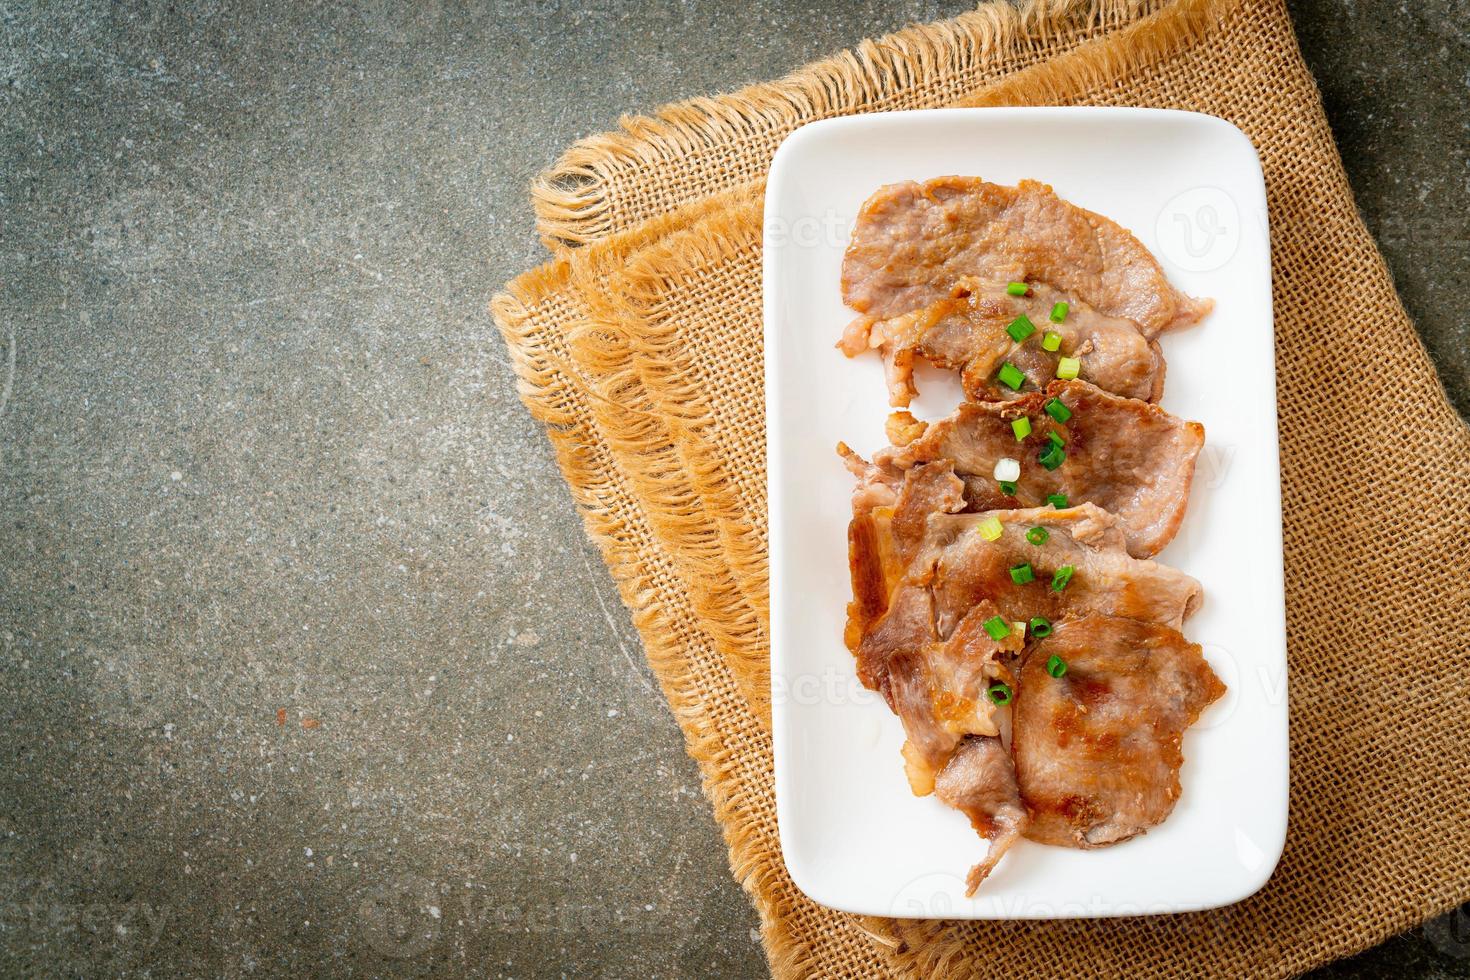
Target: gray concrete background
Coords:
[(260, 453)]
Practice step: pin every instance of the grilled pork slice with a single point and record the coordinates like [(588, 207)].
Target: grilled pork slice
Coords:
[(935, 685), (926, 584), (1128, 457), (913, 242), (980, 782), (975, 328), (1097, 750), (960, 568), (939, 603)]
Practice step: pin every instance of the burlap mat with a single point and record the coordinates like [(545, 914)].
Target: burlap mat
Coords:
[(641, 351)]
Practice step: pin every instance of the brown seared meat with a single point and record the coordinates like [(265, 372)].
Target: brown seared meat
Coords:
[(879, 553), (1097, 750), (927, 584), (1103, 579), (1013, 536), (935, 685), (980, 782), (960, 569), (1130, 458), (913, 242), (968, 331)]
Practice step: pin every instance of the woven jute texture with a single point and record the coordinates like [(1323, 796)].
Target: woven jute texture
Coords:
[(640, 348)]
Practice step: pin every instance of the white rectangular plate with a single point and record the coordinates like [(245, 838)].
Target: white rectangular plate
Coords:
[(854, 837)]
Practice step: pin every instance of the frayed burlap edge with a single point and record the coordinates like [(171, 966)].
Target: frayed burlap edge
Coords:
[(623, 372), (1102, 62), (548, 389), (734, 585), (560, 397), (576, 201)]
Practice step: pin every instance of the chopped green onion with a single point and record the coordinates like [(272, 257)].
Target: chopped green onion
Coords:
[(1056, 438), (1038, 535), (1007, 469), (1020, 328), (1051, 341), (999, 693), (1052, 456), (1056, 666), (998, 628), (1040, 627), (1059, 311), (1057, 410), (1017, 288), (1021, 574), (1008, 488), (1061, 577), (1021, 427), (1057, 500), (990, 528), (1068, 367), (1012, 378)]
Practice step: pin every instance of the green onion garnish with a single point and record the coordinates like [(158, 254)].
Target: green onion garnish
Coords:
[(1021, 574), (1040, 627), (1021, 427), (1059, 312), (1068, 367), (1061, 577), (1017, 288), (1056, 439), (1008, 488), (998, 628), (1057, 410), (1052, 456), (1038, 535), (1057, 500), (1020, 328), (1056, 666), (990, 528), (1011, 376), (999, 693), (1051, 341)]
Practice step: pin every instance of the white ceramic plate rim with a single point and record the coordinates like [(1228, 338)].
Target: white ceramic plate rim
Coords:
[(843, 874)]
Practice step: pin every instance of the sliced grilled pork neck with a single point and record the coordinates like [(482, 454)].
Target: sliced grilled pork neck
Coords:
[(912, 243), (980, 782), (960, 568), (968, 331), (1133, 459), (1097, 750)]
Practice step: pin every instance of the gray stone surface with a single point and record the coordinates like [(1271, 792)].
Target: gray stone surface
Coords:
[(261, 459)]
